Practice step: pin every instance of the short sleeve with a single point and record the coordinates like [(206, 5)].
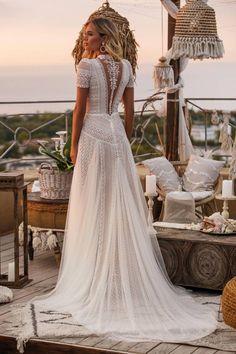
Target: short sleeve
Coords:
[(131, 76), (83, 73)]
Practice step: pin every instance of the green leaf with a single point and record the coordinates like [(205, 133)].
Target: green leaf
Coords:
[(63, 162), (66, 150)]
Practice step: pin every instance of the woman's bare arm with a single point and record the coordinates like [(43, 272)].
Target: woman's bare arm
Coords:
[(78, 119), (128, 100)]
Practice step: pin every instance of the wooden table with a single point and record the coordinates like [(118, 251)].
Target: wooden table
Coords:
[(197, 259), (48, 214)]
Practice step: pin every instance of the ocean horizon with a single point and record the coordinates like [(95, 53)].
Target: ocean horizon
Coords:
[(206, 79)]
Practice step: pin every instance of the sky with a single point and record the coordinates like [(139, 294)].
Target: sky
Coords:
[(37, 37)]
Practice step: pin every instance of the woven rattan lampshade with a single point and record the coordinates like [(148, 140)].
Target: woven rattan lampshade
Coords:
[(126, 36), (196, 33)]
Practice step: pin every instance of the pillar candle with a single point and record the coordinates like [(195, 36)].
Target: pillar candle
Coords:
[(227, 187), (11, 271), (150, 184)]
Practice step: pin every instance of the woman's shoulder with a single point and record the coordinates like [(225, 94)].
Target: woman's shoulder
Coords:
[(85, 63), (84, 60), (127, 62)]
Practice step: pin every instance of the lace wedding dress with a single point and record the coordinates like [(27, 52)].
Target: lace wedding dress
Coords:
[(111, 280)]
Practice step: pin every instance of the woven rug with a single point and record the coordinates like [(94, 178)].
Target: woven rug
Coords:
[(50, 324)]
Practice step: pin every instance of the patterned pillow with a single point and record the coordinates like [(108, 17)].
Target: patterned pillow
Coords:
[(201, 174), (167, 178)]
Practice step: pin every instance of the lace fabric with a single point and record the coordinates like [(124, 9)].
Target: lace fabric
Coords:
[(112, 277), (106, 80)]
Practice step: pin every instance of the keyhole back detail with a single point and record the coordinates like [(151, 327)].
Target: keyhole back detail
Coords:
[(112, 73)]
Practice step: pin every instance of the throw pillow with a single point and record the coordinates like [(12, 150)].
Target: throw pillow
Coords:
[(167, 178), (201, 174)]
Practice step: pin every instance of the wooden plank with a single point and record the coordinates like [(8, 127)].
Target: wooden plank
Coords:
[(184, 349), (44, 272), (193, 236), (25, 299), (45, 283), (143, 347), (7, 239), (76, 340), (124, 346), (35, 346), (164, 348), (204, 350), (223, 352), (91, 341), (107, 343)]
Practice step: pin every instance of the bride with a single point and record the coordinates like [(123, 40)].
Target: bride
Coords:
[(111, 279)]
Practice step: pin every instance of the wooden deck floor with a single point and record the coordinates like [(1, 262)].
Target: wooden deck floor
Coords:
[(43, 272)]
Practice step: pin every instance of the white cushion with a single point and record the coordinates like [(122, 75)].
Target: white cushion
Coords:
[(201, 174), (167, 178), (201, 195)]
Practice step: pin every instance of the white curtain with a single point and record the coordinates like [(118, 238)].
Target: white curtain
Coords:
[(185, 147)]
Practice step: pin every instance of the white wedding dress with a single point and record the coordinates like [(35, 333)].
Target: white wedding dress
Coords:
[(111, 280)]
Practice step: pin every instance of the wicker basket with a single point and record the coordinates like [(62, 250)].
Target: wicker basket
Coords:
[(54, 184), (228, 303)]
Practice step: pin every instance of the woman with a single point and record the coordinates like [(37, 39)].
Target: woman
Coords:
[(110, 280)]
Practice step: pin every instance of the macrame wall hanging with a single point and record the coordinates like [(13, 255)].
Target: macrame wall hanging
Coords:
[(196, 33), (163, 74), (225, 137), (232, 169), (126, 36)]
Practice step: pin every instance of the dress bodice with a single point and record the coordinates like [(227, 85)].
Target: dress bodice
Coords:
[(106, 80)]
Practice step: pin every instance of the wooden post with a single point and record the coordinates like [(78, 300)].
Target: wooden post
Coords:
[(172, 119)]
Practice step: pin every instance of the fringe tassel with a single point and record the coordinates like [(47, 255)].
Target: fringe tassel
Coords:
[(44, 241), (21, 325), (26, 331), (52, 240), (197, 47), (225, 138), (232, 169), (36, 239)]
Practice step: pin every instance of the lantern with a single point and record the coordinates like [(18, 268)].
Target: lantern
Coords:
[(163, 74), (196, 33), (14, 261)]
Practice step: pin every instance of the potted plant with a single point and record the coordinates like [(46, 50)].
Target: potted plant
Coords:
[(55, 180)]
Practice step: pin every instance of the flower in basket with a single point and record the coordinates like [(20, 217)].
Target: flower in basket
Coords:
[(61, 153)]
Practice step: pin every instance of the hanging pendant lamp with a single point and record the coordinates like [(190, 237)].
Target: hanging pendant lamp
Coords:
[(163, 74), (196, 33), (126, 37)]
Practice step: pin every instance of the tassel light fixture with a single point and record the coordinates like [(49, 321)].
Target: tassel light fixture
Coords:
[(163, 74), (225, 136), (196, 32)]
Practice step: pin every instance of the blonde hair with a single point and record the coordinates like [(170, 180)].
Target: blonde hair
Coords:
[(107, 28)]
